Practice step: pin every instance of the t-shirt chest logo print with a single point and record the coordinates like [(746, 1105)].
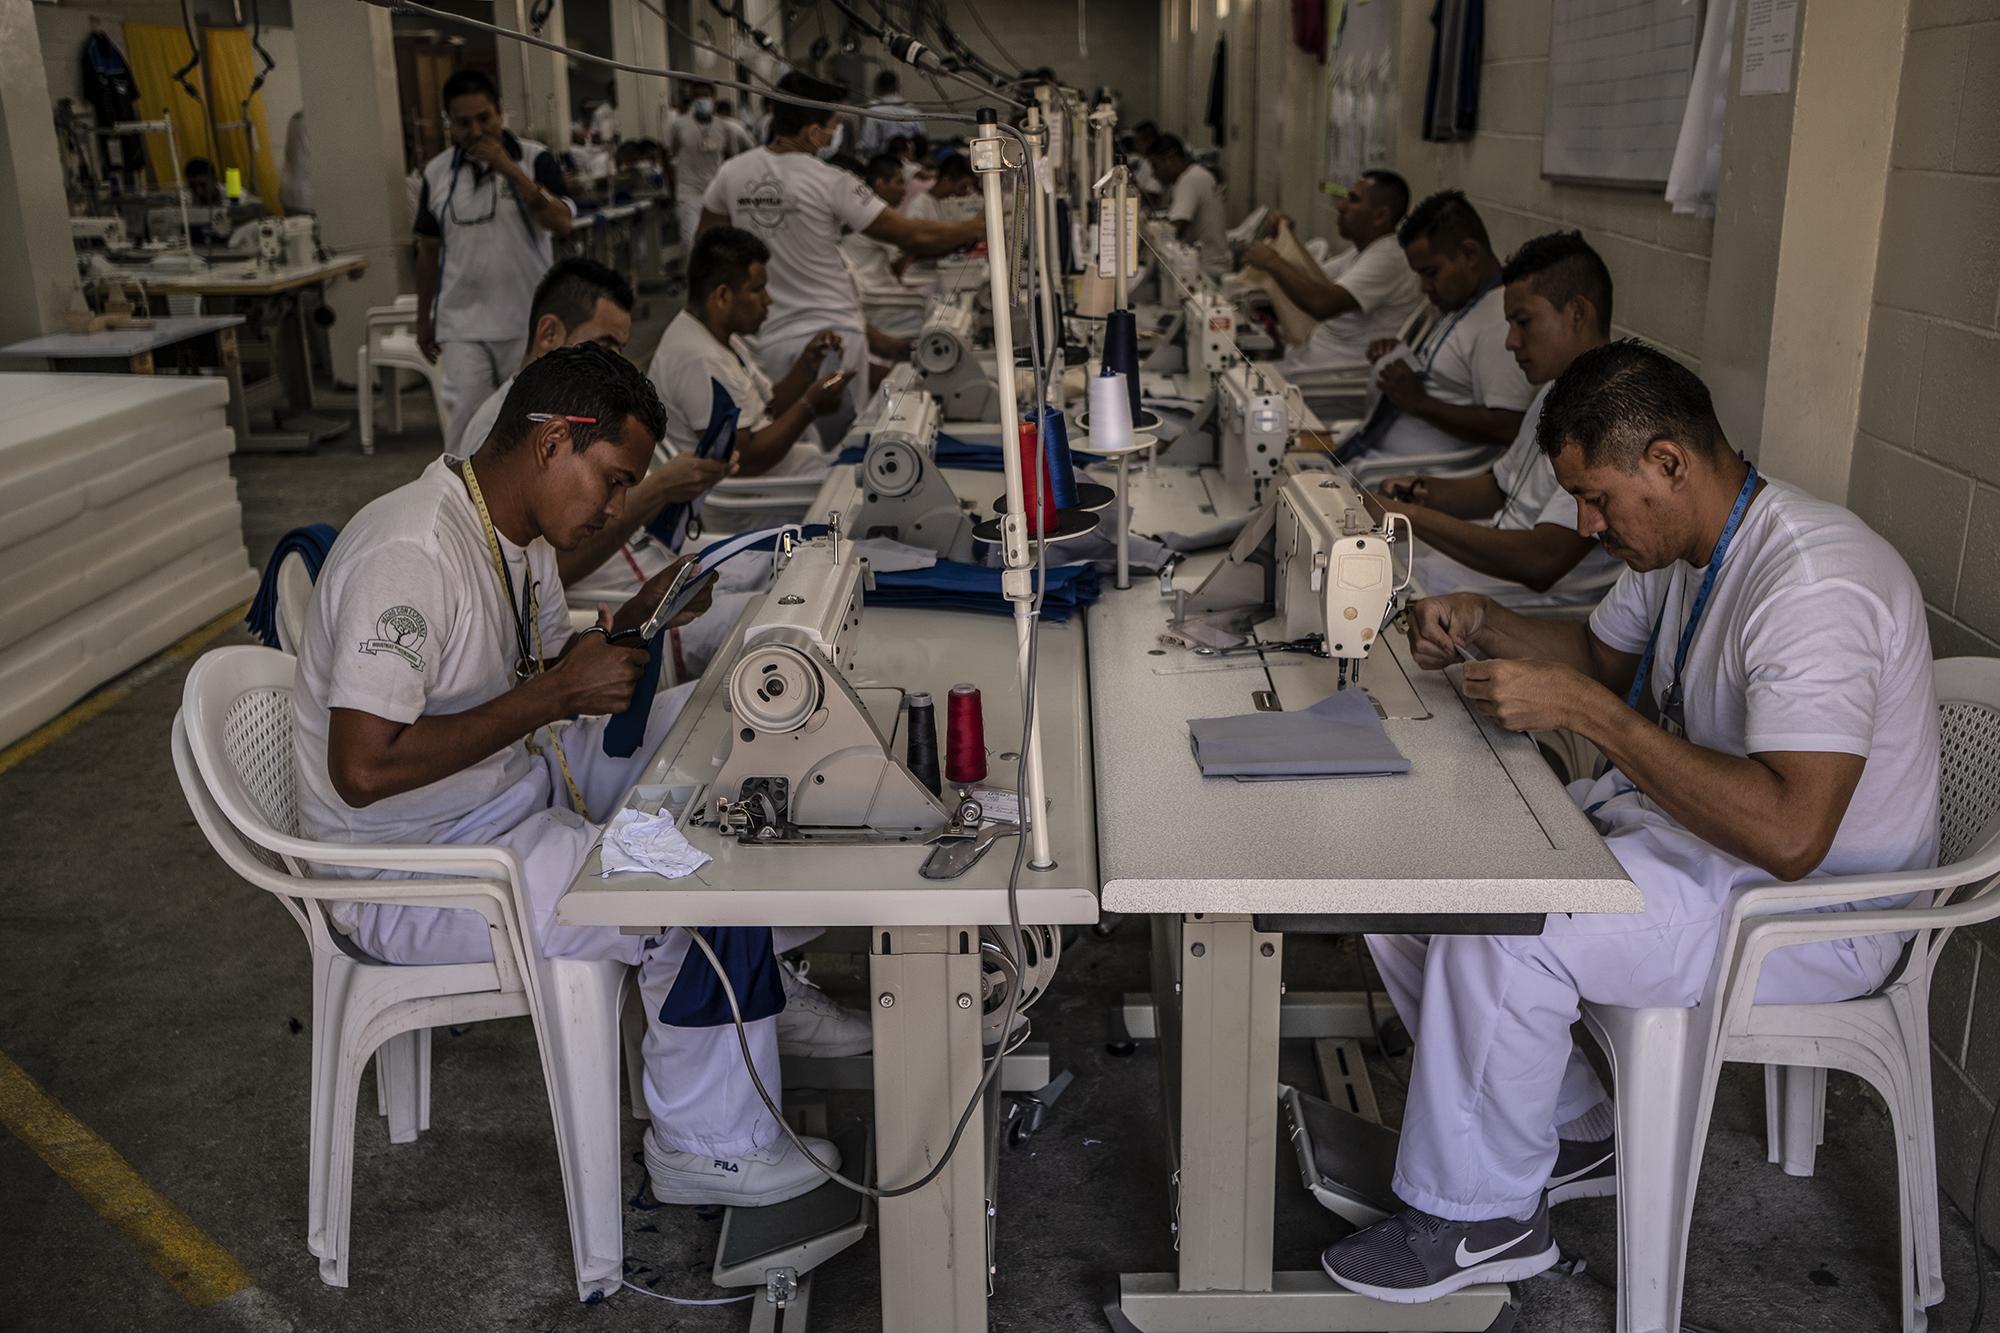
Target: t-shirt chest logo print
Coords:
[(766, 204), (400, 630)]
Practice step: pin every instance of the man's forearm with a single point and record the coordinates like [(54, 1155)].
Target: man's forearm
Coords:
[(1469, 421), (436, 746), (1510, 634), (1464, 497), (789, 390), (1526, 556), (548, 211), (1311, 292), (769, 445), (427, 278)]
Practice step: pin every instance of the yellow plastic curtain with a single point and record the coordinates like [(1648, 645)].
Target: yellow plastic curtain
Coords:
[(231, 67), (155, 51)]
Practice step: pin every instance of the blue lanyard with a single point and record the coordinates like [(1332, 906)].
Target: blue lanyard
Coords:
[(1673, 697), (1444, 330)]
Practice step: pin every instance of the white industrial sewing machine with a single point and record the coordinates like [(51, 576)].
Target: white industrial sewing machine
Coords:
[(1258, 413), (1322, 563), (948, 360), (807, 761), (904, 494)]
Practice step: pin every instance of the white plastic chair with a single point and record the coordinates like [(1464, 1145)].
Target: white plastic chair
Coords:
[(295, 590), (1667, 1061), (232, 745), (390, 343)]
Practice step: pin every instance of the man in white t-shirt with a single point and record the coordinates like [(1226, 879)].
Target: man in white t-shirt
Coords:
[(698, 143), (1796, 736), (888, 116), (489, 211), (1194, 203), (1359, 296), (797, 205), (1510, 532), (424, 714), (1459, 387)]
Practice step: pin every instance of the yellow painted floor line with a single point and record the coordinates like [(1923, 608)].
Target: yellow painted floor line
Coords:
[(178, 1250), (111, 695)]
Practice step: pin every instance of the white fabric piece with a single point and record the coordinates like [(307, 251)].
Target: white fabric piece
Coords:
[(471, 373), (1196, 200), (797, 205), (886, 556), (1696, 172), (1379, 278), (1470, 364), (649, 844)]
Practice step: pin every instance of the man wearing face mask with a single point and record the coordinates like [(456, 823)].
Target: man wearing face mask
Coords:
[(797, 204), (697, 144), (489, 210)]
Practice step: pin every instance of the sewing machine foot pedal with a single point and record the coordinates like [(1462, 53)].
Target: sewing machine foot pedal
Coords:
[(1346, 1160), (776, 1248)]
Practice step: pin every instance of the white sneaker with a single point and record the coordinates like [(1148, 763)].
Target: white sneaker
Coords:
[(813, 1025), (770, 1175)]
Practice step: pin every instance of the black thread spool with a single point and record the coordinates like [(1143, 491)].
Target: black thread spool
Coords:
[(923, 745)]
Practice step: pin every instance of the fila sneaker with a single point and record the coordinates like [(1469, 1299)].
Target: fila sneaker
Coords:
[(813, 1025), (769, 1175), (1415, 1257)]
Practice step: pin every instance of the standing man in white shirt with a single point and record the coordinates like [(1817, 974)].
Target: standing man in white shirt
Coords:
[(698, 143), (1359, 296), (1511, 532), (1194, 204), (604, 127), (489, 211), (436, 683), (888, 116), (1459, 386), (797, 204), (1760, 679)]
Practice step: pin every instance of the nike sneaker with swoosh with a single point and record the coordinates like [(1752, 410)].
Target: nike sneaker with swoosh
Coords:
[(1414, 1257), (1584, 1170)]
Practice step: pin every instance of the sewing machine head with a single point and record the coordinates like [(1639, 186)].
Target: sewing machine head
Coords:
[(946, 356), (1208, 322), (805, 752), (904, 496), (1258, 415)]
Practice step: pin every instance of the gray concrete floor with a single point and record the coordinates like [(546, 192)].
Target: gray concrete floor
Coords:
[(166, 1005)]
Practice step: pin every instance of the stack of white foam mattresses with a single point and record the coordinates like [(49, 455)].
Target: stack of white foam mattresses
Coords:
[(119, 530)]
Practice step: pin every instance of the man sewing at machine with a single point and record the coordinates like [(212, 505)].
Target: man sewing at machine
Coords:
[(1194, 204), (1782, 647), (434, 684), (1459, 387), (1510, 532), (797, 205), (1359, 297)]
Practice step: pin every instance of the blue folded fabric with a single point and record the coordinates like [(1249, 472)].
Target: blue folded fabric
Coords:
[(718, 440), (967, 455), (310, 543), (955, 585)]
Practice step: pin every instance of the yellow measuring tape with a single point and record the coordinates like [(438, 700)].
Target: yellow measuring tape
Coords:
[(534, 617)]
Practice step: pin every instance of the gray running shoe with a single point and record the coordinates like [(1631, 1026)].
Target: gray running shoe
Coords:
[(1414, 1257), (1584, 1170)]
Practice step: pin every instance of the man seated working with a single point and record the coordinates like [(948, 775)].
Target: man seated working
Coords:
[(1510, 532), (1358, 297), (1194, 203), (1459, 385), (1783, 649), (435, 677)]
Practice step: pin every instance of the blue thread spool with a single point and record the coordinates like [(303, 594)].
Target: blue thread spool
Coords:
[(1055, 451)]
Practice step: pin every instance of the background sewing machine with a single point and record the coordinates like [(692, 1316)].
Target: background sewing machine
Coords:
[(905, 496), (946, 356)]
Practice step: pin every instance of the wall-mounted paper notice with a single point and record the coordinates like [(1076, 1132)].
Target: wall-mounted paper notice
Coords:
[(1770, 31)]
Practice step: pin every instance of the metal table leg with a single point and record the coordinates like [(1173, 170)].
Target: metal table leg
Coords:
[(1228, 977), (924, 984)]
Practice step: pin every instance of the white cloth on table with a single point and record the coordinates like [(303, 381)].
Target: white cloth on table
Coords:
[(1814, 640), (652, 844)]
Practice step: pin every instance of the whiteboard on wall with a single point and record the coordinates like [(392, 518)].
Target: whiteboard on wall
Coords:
[(1618, 83)]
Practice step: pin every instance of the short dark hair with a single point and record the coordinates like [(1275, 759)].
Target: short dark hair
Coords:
[(1145, 127), (1447, 220), (896, 145), (1167, 145), (571, 289), (1560, 267), (582, 381), (1617, 399), (883, 164), (952, 166), (887, 82), (198, 166), (848, 163), (722, 258), (788, 118), (467, 83), (1389, 190)]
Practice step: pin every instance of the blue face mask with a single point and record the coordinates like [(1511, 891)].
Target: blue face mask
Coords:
[(832, 150)]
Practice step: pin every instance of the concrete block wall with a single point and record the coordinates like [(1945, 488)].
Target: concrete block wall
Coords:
[(1927, 460)]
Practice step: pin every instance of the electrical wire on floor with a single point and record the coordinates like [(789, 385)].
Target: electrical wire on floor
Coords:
[(687, 1300)]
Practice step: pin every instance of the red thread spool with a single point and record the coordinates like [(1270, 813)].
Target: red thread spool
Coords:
[(965, 737), (1034, 501)]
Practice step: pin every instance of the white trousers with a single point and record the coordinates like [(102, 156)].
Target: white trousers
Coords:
[(1495, 1068), (699, 1095), (687, 213), (471, 372), (780, 354)]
